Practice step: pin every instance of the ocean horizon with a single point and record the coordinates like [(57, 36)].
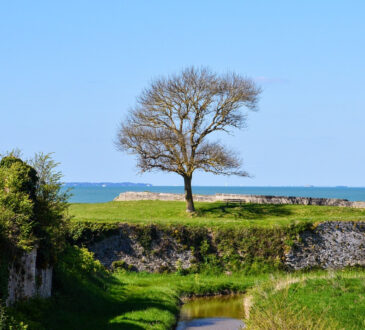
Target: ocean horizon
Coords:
[(105, 193)]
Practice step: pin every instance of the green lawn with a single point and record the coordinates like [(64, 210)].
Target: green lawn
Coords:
[(211, 214)]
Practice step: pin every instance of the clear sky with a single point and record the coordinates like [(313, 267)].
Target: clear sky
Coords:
[(69, 71)]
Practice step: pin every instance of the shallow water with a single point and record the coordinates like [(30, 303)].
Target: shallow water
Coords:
[(212, 313)]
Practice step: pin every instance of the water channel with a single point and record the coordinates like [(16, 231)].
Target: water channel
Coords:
[(212, 313)]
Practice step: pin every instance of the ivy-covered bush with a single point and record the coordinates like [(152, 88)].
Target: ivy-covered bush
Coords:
[(32, 207), (17, 203)]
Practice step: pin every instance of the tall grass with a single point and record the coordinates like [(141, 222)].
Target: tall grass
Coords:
[(335, 300)]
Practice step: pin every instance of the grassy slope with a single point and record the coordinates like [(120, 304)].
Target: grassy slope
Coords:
[(211, 214), (151, 301), (87, 298), (323, 301)]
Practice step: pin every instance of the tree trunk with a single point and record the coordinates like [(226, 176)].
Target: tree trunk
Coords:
[(188, 194)]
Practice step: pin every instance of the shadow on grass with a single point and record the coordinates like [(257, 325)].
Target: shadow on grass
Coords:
[(85, 305), (243, 211), (93, 300)]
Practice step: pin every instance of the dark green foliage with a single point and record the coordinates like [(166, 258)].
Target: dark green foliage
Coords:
[(9, 321), (17, 203), (147, 234), (84, 233), (27, 183), (32, 207), (50, 209)]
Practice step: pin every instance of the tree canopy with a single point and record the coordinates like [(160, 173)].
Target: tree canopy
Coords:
[(169, 127)]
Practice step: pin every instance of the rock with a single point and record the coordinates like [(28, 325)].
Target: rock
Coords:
[(330, 245), (165, 253)]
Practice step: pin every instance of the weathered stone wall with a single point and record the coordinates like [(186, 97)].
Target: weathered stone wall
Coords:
[(330, 245), (164, 252), (26, 281), (132, 196)]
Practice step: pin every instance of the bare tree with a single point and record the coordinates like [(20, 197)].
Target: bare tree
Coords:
[(168, 128)]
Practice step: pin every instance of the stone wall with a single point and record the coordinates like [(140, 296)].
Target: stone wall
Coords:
[(164, 252), (133, 196), (26, 280), (330, 245)]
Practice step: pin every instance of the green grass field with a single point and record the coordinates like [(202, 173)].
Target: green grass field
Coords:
[(211, 214)]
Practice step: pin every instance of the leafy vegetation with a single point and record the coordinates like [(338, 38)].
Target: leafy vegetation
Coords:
[(17, 203), (217, 214), (32, 206), (32, 214)]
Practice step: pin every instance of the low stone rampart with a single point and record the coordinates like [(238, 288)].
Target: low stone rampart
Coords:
[(258, 199)]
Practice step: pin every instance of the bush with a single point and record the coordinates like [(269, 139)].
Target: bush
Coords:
[(8, 322), (17, 203), (32, 207)]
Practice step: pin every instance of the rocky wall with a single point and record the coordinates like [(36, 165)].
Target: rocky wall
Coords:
[(26, 280), (127, 248), (329, 245)]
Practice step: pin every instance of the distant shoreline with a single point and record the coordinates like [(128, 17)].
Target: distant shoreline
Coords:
[(137, 184), (101, 194), (239, 198)]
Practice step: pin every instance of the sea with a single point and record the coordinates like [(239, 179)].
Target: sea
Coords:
[(102, 194)]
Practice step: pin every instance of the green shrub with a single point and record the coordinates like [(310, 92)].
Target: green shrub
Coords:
[(17, 203), (79, 261), (9, 322), (32, 207), (84, 233)]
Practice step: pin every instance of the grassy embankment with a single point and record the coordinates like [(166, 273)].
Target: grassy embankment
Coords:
[(333, 300), (87, 297), (211, 214)]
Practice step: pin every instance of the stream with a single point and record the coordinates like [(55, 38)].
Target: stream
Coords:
[(212, 313)]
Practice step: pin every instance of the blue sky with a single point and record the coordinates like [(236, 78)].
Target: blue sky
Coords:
[(69, 71)]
